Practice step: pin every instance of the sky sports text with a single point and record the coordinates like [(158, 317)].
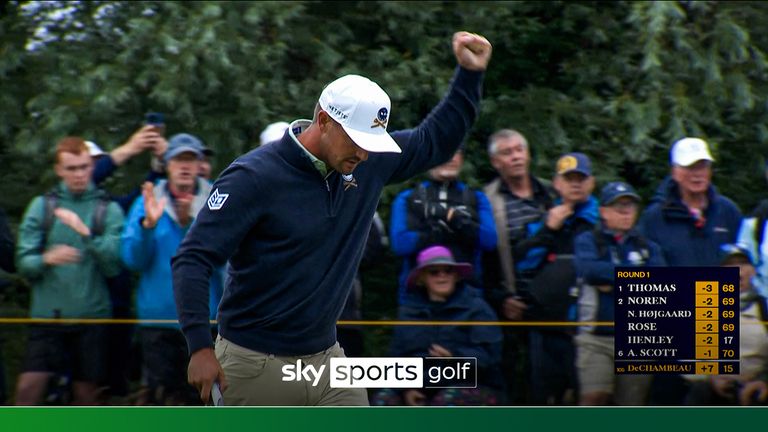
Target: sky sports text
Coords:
[(389, 372)]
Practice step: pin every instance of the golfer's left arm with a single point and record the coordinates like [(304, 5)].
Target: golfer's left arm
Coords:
[(218, 229)]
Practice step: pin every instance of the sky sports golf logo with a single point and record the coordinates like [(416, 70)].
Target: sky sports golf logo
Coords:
[(388, 372)]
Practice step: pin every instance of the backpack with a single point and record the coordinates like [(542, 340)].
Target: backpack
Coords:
[(51, 199)]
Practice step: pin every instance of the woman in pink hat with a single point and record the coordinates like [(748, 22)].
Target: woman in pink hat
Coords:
[(437, 292)]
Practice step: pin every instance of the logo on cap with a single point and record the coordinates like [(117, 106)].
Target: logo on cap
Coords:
[(381, 118), (566, 163), (338, 112)]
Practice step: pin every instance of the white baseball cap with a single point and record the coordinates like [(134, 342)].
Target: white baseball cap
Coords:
[(362, 108), (93, 149), (688, 151), (273, 132)]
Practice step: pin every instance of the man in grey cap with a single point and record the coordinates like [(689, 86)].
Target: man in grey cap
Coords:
[(156, 224)]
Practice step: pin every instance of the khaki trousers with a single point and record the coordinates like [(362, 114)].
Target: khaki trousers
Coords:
[(595, 366), (256, 378)]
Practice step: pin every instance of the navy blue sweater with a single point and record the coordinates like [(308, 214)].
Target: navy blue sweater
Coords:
[(294, 239)]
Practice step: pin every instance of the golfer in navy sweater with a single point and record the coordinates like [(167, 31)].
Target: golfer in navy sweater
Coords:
[(292, 219)]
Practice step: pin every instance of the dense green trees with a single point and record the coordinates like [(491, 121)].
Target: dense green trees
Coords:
[(617, 80)]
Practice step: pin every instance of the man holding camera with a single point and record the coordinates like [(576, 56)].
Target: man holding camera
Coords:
[(444, 211)]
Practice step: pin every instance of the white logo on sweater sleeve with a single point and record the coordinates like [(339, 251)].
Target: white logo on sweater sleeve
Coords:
[(216, 200)]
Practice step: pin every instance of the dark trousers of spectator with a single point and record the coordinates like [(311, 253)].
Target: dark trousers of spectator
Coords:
[(516, 366), (165, 360), (121, 351), (553, 368)]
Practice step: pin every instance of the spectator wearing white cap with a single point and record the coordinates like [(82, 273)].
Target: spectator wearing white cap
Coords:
[(291, 218), (689, 219), (273, 132)]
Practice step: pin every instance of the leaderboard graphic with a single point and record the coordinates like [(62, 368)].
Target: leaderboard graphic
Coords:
[(677, 320)]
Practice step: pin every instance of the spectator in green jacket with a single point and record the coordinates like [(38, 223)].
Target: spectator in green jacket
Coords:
[(67, 259)]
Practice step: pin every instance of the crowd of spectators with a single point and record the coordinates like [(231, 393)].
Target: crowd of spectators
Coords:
[(525, 248)]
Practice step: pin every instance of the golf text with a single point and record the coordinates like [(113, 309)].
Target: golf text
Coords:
[(388, 372)]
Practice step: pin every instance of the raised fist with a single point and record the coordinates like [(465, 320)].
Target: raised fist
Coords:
[(472, 51)]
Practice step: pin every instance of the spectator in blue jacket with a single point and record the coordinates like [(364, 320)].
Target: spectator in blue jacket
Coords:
[(442, 210), (156, 224), (615, 242), (437, 292), (689, 220), (547, 254)]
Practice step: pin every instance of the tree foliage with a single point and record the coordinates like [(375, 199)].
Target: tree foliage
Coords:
[(617, 80)]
